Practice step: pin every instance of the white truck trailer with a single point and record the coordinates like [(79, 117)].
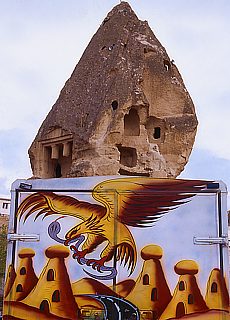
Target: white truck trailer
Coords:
[(117, 248)]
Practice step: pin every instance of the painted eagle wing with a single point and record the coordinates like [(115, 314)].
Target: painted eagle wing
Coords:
[(49, 203), (142, 201)]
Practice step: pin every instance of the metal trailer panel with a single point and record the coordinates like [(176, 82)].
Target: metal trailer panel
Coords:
[(117, 248)]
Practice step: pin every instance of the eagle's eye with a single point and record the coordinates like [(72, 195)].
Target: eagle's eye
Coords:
[(76, 229), (73, 232)]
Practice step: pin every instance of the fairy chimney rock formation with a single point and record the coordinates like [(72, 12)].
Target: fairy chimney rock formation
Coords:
[(124, 110), (26, 278), (187, 298), (151, 292), (217, 293), (10, 278), (151, 252), (53, 293)]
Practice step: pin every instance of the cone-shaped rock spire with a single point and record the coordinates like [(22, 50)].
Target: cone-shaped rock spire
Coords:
[(124, 110), (151, 292)]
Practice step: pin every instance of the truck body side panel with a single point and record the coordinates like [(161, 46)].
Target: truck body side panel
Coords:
[(117, 248)]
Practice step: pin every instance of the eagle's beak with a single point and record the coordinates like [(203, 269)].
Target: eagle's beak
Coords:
[(71, 236), (66, 243), (70, 240)]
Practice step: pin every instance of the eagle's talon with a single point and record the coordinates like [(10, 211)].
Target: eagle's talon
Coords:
[(99, 269), (80, 260), (96, 264), (92, 262)]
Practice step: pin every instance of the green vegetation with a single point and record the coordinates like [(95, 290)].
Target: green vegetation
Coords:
[(3, 249), (3, 245)]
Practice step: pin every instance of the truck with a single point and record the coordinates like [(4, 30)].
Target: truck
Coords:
[(117, 248)]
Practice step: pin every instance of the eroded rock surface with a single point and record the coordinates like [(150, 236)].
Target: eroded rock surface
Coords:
[(124, 110)]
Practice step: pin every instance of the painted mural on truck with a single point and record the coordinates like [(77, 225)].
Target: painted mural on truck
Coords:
[(122, 249)]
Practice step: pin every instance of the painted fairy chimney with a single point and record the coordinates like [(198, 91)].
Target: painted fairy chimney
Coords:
[(217, 293), (10, 277), (53, 293), (124, 110), (25, 279), (151, 293), (187, 298)]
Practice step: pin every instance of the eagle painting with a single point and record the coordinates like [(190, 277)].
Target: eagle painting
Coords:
[(121, 203)]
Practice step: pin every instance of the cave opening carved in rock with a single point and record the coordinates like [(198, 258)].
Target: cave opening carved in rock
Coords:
[(128, 156), (132, 123)]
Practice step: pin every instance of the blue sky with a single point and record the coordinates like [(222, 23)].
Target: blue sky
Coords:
[(42, 41)]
